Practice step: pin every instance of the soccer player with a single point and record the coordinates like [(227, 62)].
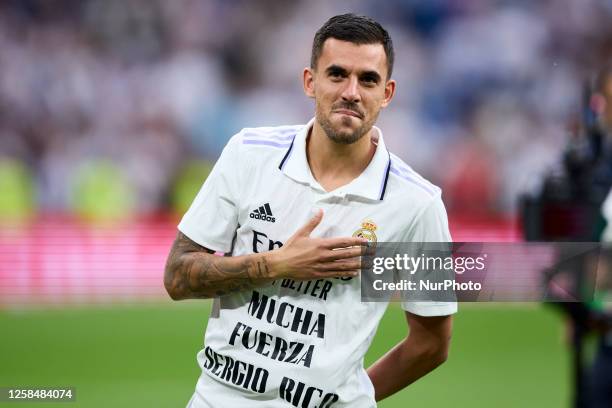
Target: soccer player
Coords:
[(293, 206)]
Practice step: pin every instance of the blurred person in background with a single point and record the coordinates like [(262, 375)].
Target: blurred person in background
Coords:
[(599, 386), (583, 190), (287, 324)]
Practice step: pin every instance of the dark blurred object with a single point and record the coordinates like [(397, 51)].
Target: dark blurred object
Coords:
[(568, 208)]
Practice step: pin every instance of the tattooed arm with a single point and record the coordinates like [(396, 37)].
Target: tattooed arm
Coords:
[(193, 272)]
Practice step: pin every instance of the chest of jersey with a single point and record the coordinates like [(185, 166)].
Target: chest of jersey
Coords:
[(271, 213)]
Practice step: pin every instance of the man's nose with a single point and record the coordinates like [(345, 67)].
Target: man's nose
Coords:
[(350, 92)]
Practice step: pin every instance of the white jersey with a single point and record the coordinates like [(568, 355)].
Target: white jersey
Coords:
[(295, 343)]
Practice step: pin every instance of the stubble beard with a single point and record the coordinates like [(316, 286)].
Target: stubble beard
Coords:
[(341, 136)]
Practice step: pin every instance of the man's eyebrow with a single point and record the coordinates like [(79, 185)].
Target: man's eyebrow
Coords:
[(336, 69), (371, 74)]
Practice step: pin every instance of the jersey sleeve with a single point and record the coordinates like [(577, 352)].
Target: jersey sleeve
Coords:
[(431, 226), (212, 218)]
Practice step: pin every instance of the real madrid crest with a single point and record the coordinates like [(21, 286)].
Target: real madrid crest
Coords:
[(367, 231)]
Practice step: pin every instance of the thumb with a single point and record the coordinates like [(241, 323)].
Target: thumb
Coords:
[(307, 229)]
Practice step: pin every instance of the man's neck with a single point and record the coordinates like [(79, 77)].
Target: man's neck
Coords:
[(333, 164)]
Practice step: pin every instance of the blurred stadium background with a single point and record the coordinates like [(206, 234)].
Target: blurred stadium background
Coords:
[(112, 112)]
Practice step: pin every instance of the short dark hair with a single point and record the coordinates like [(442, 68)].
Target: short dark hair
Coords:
[(355, 29)]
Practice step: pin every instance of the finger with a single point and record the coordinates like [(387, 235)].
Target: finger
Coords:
[(346, 265), (307, 229), (343, 242), (343, 253), (342, 274), (329, 274)]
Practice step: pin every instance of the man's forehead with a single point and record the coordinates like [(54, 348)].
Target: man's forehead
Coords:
[(362, 57)]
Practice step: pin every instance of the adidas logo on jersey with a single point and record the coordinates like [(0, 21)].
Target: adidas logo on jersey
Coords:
[(263, 213)]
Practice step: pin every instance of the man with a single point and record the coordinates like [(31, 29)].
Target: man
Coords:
[(599, 376), (294, 205)]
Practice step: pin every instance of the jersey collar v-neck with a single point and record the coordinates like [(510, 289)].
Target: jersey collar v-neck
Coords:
[(370, 184)]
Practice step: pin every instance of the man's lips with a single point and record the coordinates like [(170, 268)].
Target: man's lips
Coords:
[(348, 112)]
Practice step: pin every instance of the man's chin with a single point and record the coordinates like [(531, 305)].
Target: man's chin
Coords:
[(344, 137), (342, 129)]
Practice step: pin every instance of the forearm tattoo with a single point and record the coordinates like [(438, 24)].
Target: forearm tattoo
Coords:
[(192, 271)]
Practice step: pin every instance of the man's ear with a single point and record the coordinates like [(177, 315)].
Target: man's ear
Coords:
[(308, 79), (389, 92)]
